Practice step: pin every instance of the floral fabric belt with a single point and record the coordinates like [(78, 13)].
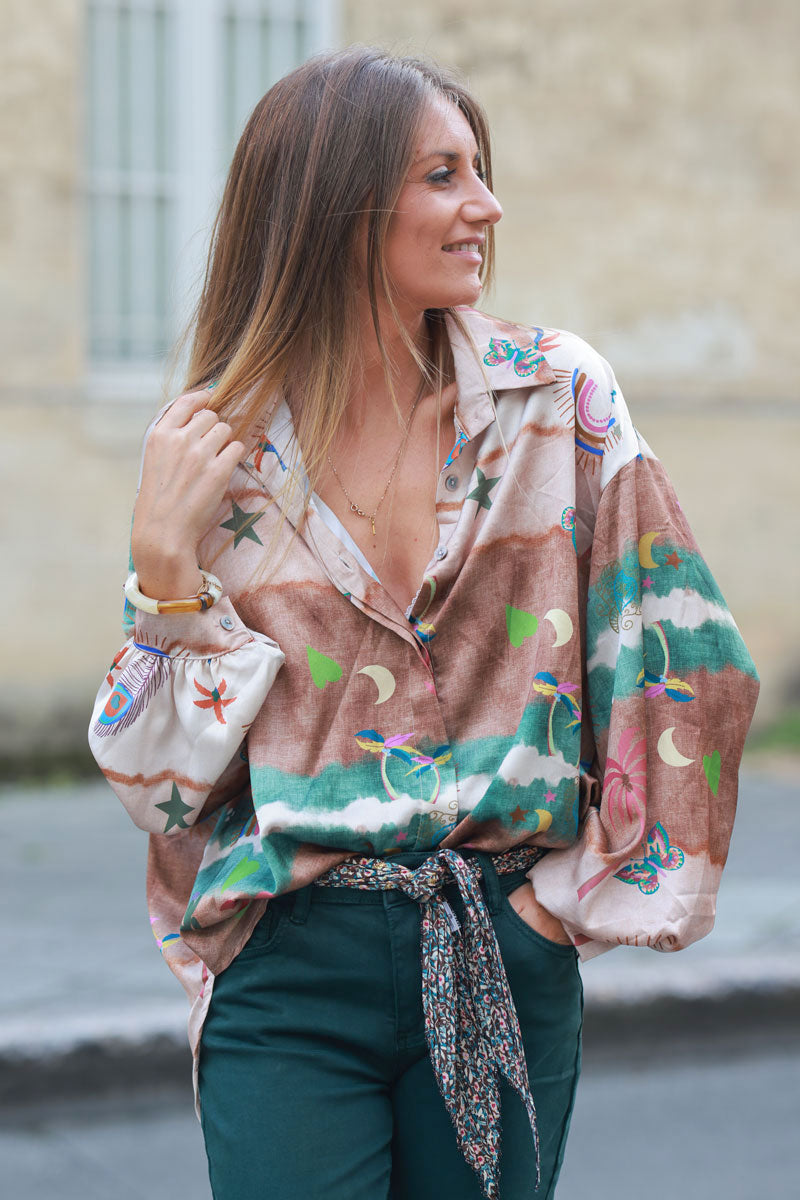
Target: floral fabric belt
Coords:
[(471, 1024)]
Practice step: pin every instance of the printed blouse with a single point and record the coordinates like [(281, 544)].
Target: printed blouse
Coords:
[(568, 676)]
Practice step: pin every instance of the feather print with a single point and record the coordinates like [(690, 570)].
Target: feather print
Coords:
[(131, 694)]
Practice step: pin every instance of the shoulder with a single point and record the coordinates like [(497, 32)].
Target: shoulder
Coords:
[(561, 348), (585, 393)]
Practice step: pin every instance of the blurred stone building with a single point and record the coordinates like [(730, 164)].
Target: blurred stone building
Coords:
[(645, 157)]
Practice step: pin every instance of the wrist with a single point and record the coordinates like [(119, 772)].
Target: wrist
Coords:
[(166, 579)]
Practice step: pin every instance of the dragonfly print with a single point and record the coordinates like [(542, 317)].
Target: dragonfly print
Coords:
[(654, 684), (557, 693), (399, 747)]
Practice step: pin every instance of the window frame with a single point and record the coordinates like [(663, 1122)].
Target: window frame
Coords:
[(197, 100)]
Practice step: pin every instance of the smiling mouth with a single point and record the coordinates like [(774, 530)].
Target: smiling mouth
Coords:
[(464, 248)]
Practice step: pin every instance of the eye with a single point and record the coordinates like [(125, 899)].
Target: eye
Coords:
[(440, 176)]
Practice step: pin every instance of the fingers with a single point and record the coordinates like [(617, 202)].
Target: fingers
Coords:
[(200, 423), (186, 407), (218, 434), (229, 458), (194, 429)]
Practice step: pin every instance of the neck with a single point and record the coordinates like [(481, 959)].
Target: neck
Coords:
[(370, 397)]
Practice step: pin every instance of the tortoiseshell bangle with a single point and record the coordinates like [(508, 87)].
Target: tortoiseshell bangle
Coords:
[(207, 596)]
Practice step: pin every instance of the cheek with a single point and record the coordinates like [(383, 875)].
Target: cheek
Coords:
[(409, 255)]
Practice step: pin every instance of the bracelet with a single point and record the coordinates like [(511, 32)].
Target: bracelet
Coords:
[(208, 594)]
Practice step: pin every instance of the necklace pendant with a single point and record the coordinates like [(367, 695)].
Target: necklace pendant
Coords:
[(372, 523)]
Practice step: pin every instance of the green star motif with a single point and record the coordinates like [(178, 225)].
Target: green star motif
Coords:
[(241, 525), (176, 810), (481, 492)]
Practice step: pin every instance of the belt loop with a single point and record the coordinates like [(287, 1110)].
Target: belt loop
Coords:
[(302, 904), (494, 896)]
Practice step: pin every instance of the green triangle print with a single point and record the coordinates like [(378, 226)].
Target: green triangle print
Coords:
[(323, 669)]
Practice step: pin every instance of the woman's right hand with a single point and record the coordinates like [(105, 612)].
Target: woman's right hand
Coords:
[(188, 462)]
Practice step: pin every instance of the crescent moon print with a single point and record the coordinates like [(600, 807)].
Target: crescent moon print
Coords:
[(646, 549), (562, 623), (668, 751), (383, 679), (545, 819)]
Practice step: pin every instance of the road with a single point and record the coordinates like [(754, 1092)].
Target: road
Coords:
[(710, 1130)]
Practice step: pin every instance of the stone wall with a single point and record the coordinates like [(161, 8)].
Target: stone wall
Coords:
[(644, 157), (645, 160), (41, 288)]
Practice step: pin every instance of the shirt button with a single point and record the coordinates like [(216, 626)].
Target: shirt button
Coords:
[(440, 552), (451, 483), (227, 622)]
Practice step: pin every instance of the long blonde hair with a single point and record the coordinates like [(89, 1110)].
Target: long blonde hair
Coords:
[(330, 143)]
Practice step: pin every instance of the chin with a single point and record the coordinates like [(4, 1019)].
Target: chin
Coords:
[(453, 297)]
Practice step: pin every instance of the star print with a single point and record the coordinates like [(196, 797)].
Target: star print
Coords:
[(549, 797), (481, 492), (176, 810), (241, 525), (673, 559), (519, 814), (647, 582)]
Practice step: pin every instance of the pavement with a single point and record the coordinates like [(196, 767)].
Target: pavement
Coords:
[(87, 1007), (698, 1131)]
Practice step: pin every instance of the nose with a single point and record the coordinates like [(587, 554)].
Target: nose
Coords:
[(482, 207)]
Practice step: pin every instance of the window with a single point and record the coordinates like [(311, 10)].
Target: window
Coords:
[(170, 84)]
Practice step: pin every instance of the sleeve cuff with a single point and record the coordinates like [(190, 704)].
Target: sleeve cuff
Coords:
[(207, 634)]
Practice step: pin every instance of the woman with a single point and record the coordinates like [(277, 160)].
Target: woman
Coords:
[(459, 697)]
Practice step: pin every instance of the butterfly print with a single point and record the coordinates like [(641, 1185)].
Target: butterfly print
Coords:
[(526, 362), (659, 857)]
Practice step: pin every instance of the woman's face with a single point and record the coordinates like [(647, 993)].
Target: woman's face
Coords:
[(435, 241)]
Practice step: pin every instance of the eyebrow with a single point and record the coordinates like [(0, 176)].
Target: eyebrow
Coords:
[(449, 155)]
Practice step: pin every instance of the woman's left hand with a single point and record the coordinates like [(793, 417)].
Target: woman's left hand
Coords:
[(524, 902)]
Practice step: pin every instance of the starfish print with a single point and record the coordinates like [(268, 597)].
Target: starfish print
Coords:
[(263, 447), (118, 657), (481, 492), (549, 797), (214, 699), (519, 814), (673, 559), (176, 810), (241, 525), (647, 582)]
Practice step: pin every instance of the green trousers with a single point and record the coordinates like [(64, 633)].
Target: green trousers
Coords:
[(315, 1080)]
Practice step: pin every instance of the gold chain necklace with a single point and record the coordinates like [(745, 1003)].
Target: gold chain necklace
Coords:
[(355, 507)]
